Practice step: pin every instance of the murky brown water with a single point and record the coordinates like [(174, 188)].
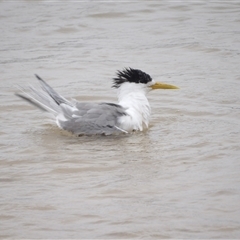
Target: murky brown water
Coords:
[(180, 179)]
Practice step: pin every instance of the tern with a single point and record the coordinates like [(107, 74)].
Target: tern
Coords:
[(131, 113)]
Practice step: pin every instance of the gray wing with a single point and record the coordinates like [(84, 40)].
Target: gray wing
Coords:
[(78, 118), (92, 118)]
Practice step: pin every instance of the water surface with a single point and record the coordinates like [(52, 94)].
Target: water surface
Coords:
[(179, 179)]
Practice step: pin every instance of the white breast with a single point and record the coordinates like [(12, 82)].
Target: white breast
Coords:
[(133, 98)]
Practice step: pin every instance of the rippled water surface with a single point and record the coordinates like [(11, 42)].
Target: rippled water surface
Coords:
[(179, 179)]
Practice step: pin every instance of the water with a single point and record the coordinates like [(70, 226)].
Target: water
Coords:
[(179, 179)]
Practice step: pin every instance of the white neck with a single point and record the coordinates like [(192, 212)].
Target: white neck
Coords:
[(133, 98)]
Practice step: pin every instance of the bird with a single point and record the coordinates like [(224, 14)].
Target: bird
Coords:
[(130, 114)]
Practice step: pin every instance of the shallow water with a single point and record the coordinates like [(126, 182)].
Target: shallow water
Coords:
[(179, 179)]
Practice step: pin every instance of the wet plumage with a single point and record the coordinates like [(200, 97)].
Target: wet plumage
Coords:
[(131, 113)]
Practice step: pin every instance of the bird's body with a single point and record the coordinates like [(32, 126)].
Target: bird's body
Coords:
[(132, 113)]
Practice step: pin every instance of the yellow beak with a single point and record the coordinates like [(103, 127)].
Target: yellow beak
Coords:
[(159, 85)]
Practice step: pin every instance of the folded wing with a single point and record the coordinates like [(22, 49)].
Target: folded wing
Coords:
[(91, 118), (80, 118)]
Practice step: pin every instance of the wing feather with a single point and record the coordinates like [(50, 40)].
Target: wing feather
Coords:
[(93, 118), (77, 117)]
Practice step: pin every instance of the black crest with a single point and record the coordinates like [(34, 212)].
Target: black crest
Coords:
[(132, 76)]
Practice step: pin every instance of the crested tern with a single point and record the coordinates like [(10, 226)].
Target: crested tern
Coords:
[(131, 113)]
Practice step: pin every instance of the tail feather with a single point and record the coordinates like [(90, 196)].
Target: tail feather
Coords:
[(32, 101), (52, 93), (46, 99)]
